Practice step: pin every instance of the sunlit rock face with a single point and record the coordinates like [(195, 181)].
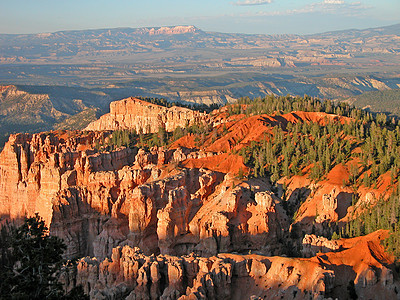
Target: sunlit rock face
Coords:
[(130, 274), (96, 200), (132, 113), (181, 223)]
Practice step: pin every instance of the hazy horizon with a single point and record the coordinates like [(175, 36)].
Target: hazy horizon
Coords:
[(240, 16), (177, 25)]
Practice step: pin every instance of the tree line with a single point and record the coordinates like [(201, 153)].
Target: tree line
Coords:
[(292, 147)]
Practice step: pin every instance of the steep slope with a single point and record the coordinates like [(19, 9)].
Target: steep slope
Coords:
[(379, 101), (25, 109), (242, 130), (20, 111)]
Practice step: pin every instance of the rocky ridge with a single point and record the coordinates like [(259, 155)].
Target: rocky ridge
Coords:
[(31, 109), (28, 109), (133, 113)]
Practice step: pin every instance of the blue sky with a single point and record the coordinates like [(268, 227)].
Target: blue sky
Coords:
[(246, 16)]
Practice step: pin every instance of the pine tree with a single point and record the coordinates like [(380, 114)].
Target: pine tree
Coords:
[(32, 264)]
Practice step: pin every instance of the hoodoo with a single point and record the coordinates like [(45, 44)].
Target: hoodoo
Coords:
[(240, 197)]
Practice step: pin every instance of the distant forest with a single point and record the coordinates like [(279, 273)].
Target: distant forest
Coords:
[(380, 101)]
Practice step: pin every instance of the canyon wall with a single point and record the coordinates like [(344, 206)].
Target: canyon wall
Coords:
[(181, 223), (96, 200), (133, 113), (35, 167)]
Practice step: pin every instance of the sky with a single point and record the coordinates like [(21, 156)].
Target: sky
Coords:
[(241, 16)]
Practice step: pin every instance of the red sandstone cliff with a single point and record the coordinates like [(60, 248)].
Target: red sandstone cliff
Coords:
[(98, 200), (132, 113), (34, 168)]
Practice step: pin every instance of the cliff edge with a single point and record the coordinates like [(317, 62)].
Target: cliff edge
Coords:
[(133, 113)]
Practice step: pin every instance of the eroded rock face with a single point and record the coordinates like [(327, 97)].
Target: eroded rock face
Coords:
[(35, 167), (130, 274), (132, 113), (313, 244), (179, 201), (96, 201), (193, 210)]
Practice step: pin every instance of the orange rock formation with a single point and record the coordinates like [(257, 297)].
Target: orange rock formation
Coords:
[(130, 274), (188, 201), (96, 201), (133, 113)]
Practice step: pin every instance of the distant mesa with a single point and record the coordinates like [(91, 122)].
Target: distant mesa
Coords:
[(173, 30), (164, 30)]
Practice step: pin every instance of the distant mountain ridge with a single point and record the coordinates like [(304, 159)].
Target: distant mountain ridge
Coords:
[(183, 29), (118, 44), (384, 30), (78, 73), (150, 31)]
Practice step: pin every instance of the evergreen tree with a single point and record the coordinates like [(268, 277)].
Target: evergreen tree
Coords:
[(31, 263)]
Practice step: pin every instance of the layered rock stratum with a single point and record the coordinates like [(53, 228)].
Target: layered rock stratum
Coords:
[(133, 113)]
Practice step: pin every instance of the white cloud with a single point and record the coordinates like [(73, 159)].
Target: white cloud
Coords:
[(252, 2), (326, 6), (333, 2)]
